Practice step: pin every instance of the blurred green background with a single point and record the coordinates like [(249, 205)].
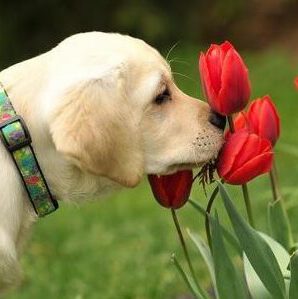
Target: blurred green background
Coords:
[(120, 247)]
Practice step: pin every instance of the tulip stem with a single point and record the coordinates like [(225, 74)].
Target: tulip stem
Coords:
[(183, 244), (231, 123), (207, 216), (274, 183), (248, 205)]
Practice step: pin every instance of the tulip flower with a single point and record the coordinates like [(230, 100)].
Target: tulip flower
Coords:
[(296, 82), (243, 157), (261, 118), (172, 191), (224, 79)]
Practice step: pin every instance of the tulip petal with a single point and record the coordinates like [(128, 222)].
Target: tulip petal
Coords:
[(250, 148), (264, 119), (253, 168), (235, 87), (296, 82), (253, 115), (230, 151), (182, 189), (207, 88), (214, 65), (253, 146), (158, 190), (225, 47), (241, 121), (271, 122)]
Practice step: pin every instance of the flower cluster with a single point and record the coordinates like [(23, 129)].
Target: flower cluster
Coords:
[(247, 152), (254, 129)]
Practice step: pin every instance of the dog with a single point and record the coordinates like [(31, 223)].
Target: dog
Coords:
[(103, 110)]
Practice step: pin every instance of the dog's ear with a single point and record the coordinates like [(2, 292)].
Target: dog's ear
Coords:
[(93, 127)]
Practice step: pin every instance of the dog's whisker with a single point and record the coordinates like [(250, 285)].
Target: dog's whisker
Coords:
[(185, 76), (171, 50), (179, 61)]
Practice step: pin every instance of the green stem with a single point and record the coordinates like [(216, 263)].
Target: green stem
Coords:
[(207, 216), (248, 205), (183, 244), (274, 183), (231, 124), (277, 198)]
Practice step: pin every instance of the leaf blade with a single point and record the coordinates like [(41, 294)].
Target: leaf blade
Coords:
[(228, 283), (294, 276), (205, 253), (255, 285), (256, 249), (187, 279)]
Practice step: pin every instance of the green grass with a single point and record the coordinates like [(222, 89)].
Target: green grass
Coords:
[(120, 247)]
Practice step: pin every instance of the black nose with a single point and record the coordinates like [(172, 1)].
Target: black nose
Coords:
[(217, 120)]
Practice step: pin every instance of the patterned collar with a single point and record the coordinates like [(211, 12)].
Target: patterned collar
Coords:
[(16, 139)]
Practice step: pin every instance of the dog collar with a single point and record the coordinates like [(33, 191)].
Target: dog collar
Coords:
[(16, 139)]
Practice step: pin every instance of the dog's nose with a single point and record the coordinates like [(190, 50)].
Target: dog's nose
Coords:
[(217, 120)]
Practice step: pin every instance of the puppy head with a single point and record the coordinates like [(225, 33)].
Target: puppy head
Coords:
[(117, 112)]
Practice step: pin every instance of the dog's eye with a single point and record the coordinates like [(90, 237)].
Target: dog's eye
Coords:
[(163, 97)]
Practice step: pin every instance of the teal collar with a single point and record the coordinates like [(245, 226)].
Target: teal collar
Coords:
[(16, 139)]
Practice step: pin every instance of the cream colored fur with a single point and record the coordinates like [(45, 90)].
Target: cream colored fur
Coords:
[(89, 105)]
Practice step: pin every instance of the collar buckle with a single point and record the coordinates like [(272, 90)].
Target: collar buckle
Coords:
[(27, 141)]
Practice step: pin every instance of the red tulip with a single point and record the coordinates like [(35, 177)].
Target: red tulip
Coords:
[(172, 191), (296, 82), (224, 78), (243, 157), (261, 118)]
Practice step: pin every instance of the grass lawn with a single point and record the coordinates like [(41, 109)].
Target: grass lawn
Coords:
[(120, 248)]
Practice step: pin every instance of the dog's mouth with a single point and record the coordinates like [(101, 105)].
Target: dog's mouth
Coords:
[(180, 167)]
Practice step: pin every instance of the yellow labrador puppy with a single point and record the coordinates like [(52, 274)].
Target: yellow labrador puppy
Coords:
[(102, 110)]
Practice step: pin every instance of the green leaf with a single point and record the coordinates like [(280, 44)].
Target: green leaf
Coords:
[(188, 280), (256, 249), (198, 207), (279, 224), (255, 285), (205, 253), (294, 276), (226, 233), (228, 283)]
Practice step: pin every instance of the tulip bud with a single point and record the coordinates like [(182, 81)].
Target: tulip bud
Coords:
[(296, 82), (261, 118), (224, 79), (243, 157), (172, 191), (264, 119)]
